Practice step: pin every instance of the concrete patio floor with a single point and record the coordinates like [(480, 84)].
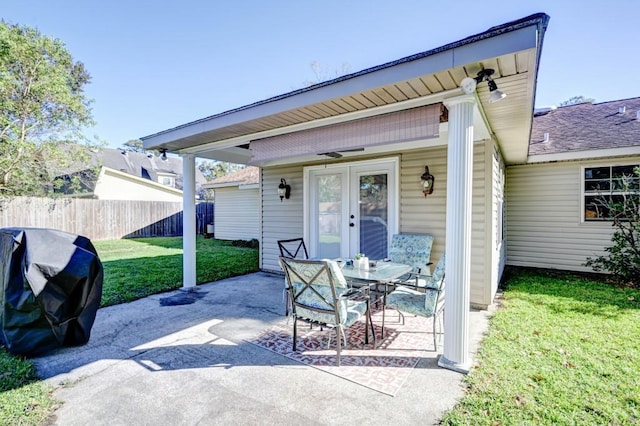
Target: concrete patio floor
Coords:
[(148, 364)]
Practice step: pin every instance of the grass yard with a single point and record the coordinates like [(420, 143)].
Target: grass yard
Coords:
[(133, 268), (564, 350), (24, 400)]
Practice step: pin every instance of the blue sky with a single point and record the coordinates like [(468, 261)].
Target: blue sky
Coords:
[(156, 65)]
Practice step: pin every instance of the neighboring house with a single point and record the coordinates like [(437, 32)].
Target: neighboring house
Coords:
[(115, 185), (552, 221), (237, 204), (115, 174), (353, 151)]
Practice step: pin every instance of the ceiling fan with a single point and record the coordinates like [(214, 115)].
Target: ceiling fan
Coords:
[(336, 154)]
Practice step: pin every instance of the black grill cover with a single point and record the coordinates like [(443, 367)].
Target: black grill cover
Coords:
[(50, 289)]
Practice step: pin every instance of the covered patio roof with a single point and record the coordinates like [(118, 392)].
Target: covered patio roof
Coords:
[(512, 50)]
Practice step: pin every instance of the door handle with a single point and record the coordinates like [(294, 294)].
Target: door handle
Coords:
[(351, 224)]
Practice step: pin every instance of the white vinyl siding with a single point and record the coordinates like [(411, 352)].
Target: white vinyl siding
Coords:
[(420, 215), (417, 213), (116, 185), (428, 215), (480, 228), (280, 220), (496, 233), (237, 213), (544, 225)]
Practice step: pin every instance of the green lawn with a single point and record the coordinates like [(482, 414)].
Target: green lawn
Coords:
[(24, 400), (139, 267), (564, 350), (133, 268)]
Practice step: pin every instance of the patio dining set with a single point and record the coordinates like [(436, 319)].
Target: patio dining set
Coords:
[(337, 293)]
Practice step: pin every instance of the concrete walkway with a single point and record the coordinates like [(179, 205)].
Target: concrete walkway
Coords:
[(149, 364)]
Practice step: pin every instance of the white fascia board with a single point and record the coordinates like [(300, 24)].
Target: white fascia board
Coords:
[(514, 41), (226, 144), (511, 42), (584, 155), (230, 155), (250, 186), (220, 185), (139, 180), (427, 65), (231, 185)]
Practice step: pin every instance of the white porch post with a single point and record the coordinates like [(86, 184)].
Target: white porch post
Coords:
[(188, 220), (455, 354)]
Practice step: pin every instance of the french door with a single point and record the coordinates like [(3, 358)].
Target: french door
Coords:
[(351, 208)]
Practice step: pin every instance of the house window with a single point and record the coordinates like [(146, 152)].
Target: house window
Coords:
[(145, 174), (607, 183), (167, 180)]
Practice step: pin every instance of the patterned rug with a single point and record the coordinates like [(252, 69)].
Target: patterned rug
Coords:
[(383, 369)]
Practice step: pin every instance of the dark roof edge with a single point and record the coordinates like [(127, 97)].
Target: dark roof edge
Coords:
[(542, 22), (539, 19), (633, 98), (617, 100)]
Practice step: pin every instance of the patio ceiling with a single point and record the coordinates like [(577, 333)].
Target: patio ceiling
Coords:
[(511, 49)]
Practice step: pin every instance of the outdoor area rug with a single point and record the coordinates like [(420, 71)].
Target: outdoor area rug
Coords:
[(383, 369)]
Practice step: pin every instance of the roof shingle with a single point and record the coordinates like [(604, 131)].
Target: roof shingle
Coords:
[(585, 127), (246, 176)]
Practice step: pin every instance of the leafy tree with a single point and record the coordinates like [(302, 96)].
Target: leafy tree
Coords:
[(133, 145), (214, 169), (575, 100), (42, 109), (623, 257)]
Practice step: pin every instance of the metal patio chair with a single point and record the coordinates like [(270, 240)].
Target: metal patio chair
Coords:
[(320, 295), (293, 248), (426, 301), (414, 250)]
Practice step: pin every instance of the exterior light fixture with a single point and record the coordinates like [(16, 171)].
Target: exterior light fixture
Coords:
[(468, 85), (427, 182), (284, 190), (163, 157)]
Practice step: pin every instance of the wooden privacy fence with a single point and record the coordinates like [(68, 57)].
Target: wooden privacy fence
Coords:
[(102, 219)]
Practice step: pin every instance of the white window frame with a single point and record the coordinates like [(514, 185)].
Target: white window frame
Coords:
[(585, 194), (169, 177)]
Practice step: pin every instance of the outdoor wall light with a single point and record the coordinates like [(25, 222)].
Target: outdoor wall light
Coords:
[(427, 182), (468, 85), (495, 94), (284, 190), (163, 157)]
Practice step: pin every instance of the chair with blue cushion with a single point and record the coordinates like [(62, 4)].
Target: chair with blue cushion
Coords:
[(426, 301), (319, 294), (414, 250), (293, 248)]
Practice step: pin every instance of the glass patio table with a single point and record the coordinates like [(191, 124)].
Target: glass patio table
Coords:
[(382, 273), (378, 279)]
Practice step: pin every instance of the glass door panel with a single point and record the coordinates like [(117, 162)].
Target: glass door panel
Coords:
[(329, 215), (327, 211), (351, 209), (374, 215)]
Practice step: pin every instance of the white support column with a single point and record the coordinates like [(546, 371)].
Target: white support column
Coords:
[(455, 355), (188, 221)]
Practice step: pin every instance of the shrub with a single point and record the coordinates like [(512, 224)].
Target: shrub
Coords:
[(623, 257), (244, 243)]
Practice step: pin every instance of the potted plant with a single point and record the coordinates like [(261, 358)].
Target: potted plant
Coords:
[(361, 261)]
